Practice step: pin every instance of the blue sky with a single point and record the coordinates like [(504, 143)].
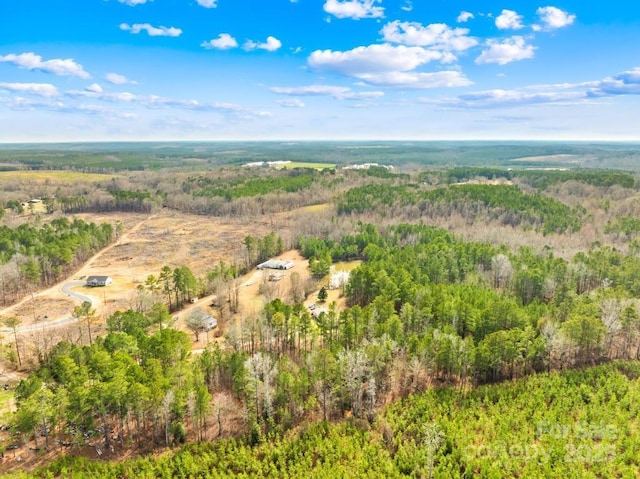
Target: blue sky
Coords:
[(95, 70)]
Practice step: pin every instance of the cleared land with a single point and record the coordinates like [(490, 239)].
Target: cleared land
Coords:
[(55, 177)]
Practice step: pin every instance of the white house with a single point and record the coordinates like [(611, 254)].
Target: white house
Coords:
[(93, 281)]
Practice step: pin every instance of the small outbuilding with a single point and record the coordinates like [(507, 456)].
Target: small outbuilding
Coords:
[(210, 323), (93, 281), (276, 264)]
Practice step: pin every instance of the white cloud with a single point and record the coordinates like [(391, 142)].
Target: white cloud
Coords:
[(118, 79), (94, 88), (625, 83), (407, 7), (507, 51), (437, 35), (354, 9), (223, 42), (56, 66), (39, 89), (558, 94), (389, 66), (133, 3), (417, 80), (498, 98), (28, 104), (155, 102), (464, 17), (337, 92), (373, 59), (99, 94), (509, 20), (208, 3), (290, 102), (552, 18), (151, 30), (271, 45)]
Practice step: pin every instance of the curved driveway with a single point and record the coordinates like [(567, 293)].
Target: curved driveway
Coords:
[(66, 289)]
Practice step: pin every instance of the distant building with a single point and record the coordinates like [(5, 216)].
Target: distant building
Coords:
[(93, 281), (366, 166), (276, 264)]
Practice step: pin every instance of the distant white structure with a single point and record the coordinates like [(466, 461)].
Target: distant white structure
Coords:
[(270, 164), (366, 166), (338, 279), (276, 264)]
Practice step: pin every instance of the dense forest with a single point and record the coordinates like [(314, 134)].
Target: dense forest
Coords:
[(393, 379), (573, 424)]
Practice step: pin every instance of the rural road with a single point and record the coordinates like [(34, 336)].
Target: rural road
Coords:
[(66, 289)]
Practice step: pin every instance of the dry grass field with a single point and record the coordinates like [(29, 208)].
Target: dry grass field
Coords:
[(149, 243)]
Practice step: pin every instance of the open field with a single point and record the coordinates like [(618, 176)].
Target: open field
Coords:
[(167, 238), (54, 177)]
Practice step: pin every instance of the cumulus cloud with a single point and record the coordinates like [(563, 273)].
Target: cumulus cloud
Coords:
[(389, 65), (552, 18), (354, 9), (290, 103), (464, 17), (373, 59), (94, 88), (407, 7), (625, 83), (133, 3), (151, 30), (208, 3), (271, 45), (223, 42), (509, 20), (39, 89), (437, 35), (117, 79), (509, 50), (337, 92), (56, 66)]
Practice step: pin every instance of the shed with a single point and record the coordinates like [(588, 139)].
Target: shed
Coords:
[(210, 323)]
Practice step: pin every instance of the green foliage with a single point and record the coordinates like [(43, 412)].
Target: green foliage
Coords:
[(574, 424), (288, 181), (627, 225), (545, 178), (322, 294), (505, 203)]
